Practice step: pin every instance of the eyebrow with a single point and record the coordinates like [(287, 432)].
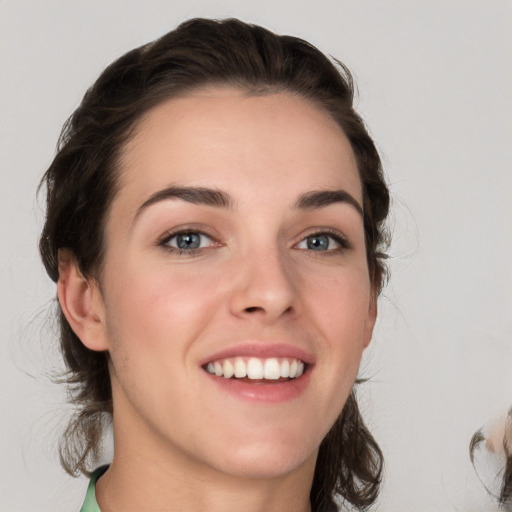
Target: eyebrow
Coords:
[(195, 195), (323, 198), (219, 199)]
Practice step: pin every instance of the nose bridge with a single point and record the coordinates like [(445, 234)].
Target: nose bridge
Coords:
[(265, 283)]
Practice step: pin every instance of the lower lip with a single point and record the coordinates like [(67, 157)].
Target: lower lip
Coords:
[(271, 392)]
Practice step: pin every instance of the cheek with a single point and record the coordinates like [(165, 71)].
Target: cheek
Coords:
[(340, 309), (153, 319), (158, 305), (341, 303)]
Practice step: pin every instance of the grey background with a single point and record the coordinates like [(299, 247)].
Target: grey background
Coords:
[(434, 80)]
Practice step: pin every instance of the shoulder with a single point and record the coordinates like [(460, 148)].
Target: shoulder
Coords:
[(90, 503)]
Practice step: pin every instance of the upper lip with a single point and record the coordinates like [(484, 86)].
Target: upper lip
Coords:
[(262, 350)]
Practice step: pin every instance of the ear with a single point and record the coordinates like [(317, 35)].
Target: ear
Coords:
[(371, 317), (81, 303)]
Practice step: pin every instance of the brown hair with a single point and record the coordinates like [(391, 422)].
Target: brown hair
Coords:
[(82, 182)]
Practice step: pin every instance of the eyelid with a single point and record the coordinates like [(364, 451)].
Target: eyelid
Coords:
[(335, 234), (183, 229)]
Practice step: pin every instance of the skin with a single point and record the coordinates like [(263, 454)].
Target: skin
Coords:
[(161, 313)]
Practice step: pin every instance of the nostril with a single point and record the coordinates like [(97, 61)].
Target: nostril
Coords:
[(256, 309), (253, 309)]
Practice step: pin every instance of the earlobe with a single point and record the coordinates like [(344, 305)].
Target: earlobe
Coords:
[(81, 302)]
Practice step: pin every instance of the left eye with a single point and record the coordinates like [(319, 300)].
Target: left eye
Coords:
[(188, 241), (320, 242)]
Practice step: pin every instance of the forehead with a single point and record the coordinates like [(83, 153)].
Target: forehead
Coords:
[(225, 138)]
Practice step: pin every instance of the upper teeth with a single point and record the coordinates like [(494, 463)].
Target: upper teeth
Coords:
[(256, 368)]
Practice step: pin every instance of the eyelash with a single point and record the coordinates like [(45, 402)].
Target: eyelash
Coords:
[(341, 241), (185, 252)]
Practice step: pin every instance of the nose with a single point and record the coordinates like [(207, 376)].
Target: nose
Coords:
[(264, 287)]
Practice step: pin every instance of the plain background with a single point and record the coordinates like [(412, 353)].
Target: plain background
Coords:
[(435, 82)]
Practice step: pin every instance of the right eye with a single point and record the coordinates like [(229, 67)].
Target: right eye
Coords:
[(187, 241)]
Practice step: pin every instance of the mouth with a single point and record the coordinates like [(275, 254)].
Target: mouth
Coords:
[(255, 369)]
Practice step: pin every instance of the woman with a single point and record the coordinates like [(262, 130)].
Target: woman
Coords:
[(215, 226)]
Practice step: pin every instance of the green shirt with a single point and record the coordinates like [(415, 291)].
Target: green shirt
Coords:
[(90, 503)]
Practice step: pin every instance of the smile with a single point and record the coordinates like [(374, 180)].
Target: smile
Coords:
[(254, 368)]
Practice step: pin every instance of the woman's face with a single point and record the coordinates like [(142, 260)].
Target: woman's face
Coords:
[(235, 244)]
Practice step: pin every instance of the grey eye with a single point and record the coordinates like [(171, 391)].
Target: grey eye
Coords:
[(322, 242), (188, 240), (318, 242)]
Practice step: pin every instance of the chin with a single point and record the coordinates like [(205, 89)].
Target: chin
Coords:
[(267, 458), (254, 466)]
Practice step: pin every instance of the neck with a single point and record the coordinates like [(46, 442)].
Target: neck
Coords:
[(160, 488), (141, 478)]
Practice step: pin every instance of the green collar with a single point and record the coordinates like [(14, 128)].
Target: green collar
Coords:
[(90, 503)]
